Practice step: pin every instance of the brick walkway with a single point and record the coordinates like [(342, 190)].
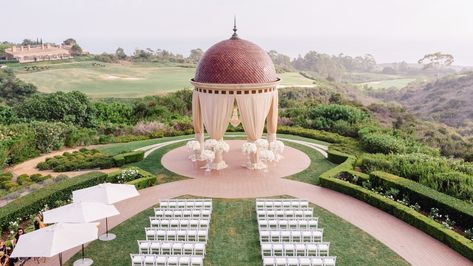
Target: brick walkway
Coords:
[(410, 243)]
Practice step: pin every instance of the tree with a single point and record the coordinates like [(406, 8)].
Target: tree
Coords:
[(27, 42), (195, 55), (13, 90), (120, 53), (436, 61), (76, 49), (69, 41)]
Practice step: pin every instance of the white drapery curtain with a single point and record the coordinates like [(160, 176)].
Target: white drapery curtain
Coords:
[(253, 112), (216, 113)]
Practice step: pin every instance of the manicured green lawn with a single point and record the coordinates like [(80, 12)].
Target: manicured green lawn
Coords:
[(120, 80), (317, 166), (388, 83), (233, 239)]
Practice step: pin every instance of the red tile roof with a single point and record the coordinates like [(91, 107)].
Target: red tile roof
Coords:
[(235, 61)]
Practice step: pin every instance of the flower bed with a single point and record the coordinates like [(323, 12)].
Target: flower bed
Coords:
[(7, 183), (390, 201)]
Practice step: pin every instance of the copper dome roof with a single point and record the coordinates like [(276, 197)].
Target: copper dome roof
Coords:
[(235, 61)]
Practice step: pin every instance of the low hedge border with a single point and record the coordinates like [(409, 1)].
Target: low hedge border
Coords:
[(144, 182), (314, 134), (32, 203), (347, 165), (460, 211), (129, 157), (451, 238)]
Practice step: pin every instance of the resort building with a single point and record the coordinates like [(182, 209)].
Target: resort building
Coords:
[(43, 52)]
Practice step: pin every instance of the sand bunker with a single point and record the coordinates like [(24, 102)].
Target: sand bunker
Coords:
[(112, 77)]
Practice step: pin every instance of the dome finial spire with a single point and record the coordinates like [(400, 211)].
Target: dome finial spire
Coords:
[(235, 35)]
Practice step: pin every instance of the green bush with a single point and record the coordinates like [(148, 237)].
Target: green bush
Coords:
[(315, 134), (6, 177), (453, 177), (459, 211), (337, 157), (9, 185), (27, 205), (382, 143), (144, 182), (129, 157), (347, 165), (39, 178), (451, 238), (23, 179), (78, 160)]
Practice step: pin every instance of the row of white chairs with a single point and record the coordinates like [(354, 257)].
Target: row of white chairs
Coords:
[(186, 205), (161, 260), (190, 214), (299, 261), (295, 249), (308, 236), (171, 248), (284, 214), (273, 224), (281, 204), (179, 223), (189, 235)]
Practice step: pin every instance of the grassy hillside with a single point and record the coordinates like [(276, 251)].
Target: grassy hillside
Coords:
[(447, 100), (100, 80)]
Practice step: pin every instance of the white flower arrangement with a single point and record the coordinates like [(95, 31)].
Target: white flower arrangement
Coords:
[(267, 155), (262, 143), (210, 144), (193, 145), (208, 155), (277, 146), (249, 147), (221, 146)]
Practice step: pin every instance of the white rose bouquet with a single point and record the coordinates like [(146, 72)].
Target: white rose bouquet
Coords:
[(249, 147)]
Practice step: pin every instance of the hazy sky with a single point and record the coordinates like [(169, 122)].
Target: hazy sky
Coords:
[(390, 30)]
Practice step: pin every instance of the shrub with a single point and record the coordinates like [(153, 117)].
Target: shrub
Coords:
[(382, 143), (82, 159), (128, 157), (428, 198), (29, 204), (451, 238), (453, 177), (9, 185), (315, 134), (337, 157), (23, 179), (39, 178), (144, 182)]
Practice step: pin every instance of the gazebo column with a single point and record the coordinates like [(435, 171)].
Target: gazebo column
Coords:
[(197, 122), (272, 119)]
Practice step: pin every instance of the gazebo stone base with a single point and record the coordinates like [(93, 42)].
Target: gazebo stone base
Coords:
[(255, 166), (215, 166)]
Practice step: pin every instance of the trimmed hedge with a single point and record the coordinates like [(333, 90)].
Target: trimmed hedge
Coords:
[(347, 165), (451, 238), (129, 157), (459, 211), (337, 157), (32, 203), (314, 134), (144, 182)]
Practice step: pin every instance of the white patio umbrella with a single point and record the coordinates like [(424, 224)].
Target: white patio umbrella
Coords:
[(54, 239), (105, 193), (80, 212)]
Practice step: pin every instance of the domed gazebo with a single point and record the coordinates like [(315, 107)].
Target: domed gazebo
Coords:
[(235, 76)]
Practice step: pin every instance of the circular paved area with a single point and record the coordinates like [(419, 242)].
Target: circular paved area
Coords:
[(413, 245), (294, 161)]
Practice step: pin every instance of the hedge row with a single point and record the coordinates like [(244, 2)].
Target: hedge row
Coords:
[(347, 165), (337, 157), (314, 134), (129, 157), (459, 211), (452, 239), (144, 182), (32, 203)]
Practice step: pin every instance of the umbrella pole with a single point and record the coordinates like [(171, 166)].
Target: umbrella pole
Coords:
[(60, 259), (83, 252), (106, 226)]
